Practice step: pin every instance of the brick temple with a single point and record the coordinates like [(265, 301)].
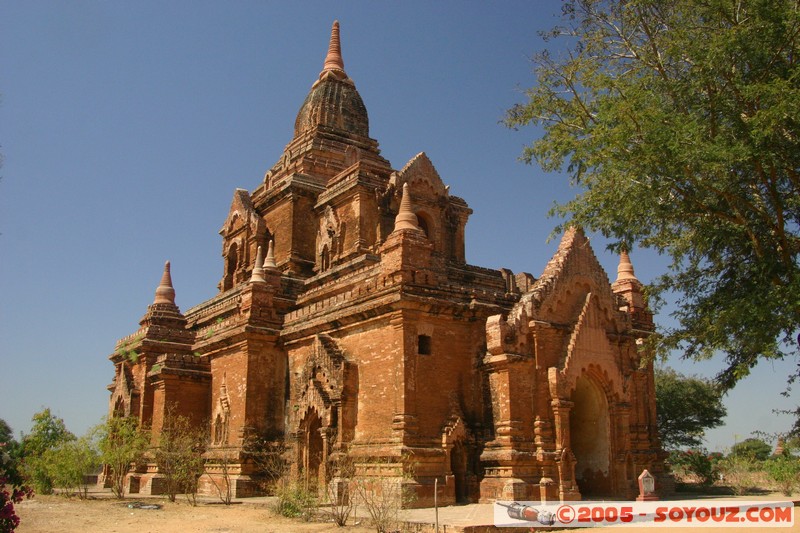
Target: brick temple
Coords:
[(349, 323)]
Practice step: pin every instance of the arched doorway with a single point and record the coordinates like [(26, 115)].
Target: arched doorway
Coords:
[(590, 440), (310, 448), (231, 264), (458, 466)]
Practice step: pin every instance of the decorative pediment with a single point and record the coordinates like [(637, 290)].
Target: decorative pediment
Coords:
[(322, 383), (241, 214), (589, 350), (454, 429), (122, 395), (421, 176), (573, 272), (589, 336), (326, 365)]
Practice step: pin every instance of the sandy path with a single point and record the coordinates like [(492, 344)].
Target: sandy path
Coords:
[(51, 514)]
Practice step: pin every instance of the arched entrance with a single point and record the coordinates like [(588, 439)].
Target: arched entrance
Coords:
[(589, 438), (310, 448), (458, 466), (231, 264)]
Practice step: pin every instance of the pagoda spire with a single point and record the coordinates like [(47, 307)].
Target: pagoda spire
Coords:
[(165, 294), (334, 61), (258, 268), (627, 285), (406, 219), (269, 262), (625, 268)]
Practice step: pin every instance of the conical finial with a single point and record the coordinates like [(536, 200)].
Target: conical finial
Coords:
[(165, 294), (258, 269), (269, 262), (406, 219), (334, 61), (625, 268), (779, 447)]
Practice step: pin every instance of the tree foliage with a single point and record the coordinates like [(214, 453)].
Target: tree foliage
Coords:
[(12, 485), (686, 406), (180, 455), (784, 470), (122, 442), (70, 463), (753, 448), (48, 432), (6, 433), (680, 122), (695, 465)]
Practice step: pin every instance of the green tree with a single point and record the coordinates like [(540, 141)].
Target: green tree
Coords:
[(784, 471), (180, 455), (69, 464), (697, 465), (6, 433), (122, 442), (48, 431), (753, 448), (680, 122), (9, 444), (686, 406)]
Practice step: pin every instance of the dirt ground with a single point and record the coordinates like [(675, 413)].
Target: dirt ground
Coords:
[(58, 514), (51, 514)]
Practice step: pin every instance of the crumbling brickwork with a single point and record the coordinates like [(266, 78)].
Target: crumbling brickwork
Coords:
[(348, 322)]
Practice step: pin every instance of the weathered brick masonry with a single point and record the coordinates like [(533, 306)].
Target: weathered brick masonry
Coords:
[(348, 322)]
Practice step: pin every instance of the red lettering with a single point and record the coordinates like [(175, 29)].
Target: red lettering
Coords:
[(584, 514), (752, 514), (626, 514), (732, 512), (783, 514), (689, 512), (702, 514), (661, 515), (717, 514), (675, 514)]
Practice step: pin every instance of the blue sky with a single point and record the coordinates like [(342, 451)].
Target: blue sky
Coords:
[(126, 126)]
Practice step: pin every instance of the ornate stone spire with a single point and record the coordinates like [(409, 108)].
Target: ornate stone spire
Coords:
[(258, 268), (333, 102), (627, 285), (334, 61), (406, 219), (625, 268), (165, 294), (269, 262)]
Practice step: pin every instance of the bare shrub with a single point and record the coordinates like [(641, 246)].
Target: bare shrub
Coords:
[(381, 489), (179, 456), (221, 463), (340, 489)]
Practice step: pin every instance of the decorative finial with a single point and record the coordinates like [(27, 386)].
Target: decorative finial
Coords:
[(334, 61), (269, 262), (165, 294), (625, 268), (258, 269), (406, 219)]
